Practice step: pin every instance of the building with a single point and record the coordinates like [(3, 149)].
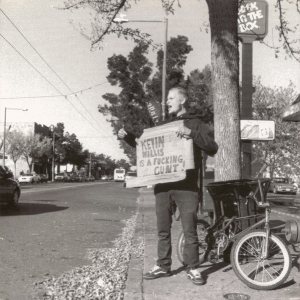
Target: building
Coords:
[(292, 113)]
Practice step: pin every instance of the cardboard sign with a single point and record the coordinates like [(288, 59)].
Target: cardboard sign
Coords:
[(162, 156)]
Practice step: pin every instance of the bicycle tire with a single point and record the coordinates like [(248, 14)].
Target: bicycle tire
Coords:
[(201, 230), (263, 274)]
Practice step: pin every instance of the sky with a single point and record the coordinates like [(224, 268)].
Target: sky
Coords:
[(57, 37)]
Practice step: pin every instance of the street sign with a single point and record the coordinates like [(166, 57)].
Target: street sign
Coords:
[(257, 130), (253, 19)]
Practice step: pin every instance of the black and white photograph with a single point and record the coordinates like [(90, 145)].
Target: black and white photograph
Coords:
[(149, 149)]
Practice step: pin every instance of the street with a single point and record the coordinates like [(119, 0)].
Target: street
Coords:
[(286, 206), (54, 228)]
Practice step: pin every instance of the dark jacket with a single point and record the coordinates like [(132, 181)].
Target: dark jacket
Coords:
[(203, 140)]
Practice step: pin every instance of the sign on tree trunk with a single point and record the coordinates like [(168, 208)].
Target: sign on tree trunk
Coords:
[(162, 156)]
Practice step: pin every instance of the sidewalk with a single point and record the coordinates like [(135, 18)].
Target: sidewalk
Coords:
[(221, 279)]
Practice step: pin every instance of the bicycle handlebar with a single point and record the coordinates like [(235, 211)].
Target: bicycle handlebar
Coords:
[(252, 195)]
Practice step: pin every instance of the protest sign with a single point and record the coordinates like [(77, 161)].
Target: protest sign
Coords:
[(162, 156), (154, 108)]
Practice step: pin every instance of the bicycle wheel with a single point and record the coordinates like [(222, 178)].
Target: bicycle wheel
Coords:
[(255, 271), (201, 231)]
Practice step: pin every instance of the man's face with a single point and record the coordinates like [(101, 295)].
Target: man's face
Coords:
[(174, 102)]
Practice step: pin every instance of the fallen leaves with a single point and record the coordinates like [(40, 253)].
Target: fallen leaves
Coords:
[(104, 278)]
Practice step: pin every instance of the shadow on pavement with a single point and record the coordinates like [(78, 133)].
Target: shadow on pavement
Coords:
[(286, 284), (178, 270), (30, 209), (213, 268), (296, 261)]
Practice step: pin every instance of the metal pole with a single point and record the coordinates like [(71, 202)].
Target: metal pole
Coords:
[(4, 137), (53, 161), (246, 103), (90, 166), (164, 71)]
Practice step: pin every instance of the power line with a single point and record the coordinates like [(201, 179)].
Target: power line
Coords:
[(31, 97), (48, 81), (35, 50), (8, 42), (48, 65), (53, 96)]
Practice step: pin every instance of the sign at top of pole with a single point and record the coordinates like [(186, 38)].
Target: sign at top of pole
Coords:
[(253, 20)]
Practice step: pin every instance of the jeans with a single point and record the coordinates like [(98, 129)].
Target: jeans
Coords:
[(187, 203)]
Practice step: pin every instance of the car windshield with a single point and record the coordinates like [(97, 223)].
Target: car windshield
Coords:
[(120, 171), (281, 180)]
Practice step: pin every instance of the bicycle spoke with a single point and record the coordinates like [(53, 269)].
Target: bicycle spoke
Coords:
[(270, 275), (252, 274), (274, 270), (248, 244)]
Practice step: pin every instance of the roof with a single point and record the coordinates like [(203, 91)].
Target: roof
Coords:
[(292, 113)]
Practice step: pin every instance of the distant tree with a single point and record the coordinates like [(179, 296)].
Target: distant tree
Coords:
[(71, 151), (15, 141), (122, 163), (282, 154), (34, 147)]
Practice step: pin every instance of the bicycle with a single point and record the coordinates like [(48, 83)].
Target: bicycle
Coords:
[(259, 257)]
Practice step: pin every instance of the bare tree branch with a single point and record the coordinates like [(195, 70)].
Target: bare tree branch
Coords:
[(117, 10), (284, 30)]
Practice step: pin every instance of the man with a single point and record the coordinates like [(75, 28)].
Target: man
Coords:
[(184, 192)]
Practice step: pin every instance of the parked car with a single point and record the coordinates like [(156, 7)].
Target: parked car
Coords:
[(91, 178), (104, 177), (82, 178), (128, 176), (29, 178), (282, 185), (74, 177), (59, 177), (10, 190), (44, 177)]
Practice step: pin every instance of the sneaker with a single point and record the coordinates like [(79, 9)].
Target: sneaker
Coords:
[(195, 276), (157, 272)]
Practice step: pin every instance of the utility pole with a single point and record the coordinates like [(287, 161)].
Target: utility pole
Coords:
[(121, 20), (90, 165), (4, 137), (53, 152), (252, 26)]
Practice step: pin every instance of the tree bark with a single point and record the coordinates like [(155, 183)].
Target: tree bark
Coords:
[(225, 87)]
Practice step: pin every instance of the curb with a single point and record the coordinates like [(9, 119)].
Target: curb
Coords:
[(134, 281)]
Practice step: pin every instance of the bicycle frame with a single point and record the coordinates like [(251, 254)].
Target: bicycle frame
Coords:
[(234, 220)]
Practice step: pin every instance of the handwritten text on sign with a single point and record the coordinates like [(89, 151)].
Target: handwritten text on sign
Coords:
[(252, 18), (162, 156)]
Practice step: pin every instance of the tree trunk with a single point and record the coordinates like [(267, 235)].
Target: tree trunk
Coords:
[(225, 87), (15, 169)]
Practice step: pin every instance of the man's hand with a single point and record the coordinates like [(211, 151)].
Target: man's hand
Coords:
[(184, 132), (122, 133)]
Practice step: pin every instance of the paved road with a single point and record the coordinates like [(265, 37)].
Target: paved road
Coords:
[(54, 228), (286, 206)]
